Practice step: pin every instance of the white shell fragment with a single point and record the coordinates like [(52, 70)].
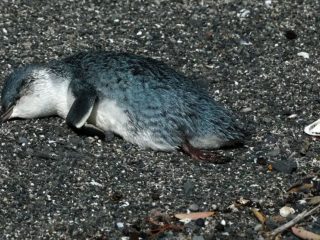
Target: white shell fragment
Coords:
[(313, 129), (303, 54), (243, 13), (286, 211), (268, 3)]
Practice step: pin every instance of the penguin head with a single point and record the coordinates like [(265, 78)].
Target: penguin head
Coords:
[(26, 94)]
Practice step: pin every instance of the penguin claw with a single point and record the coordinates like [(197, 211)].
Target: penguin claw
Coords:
[(202, 155)]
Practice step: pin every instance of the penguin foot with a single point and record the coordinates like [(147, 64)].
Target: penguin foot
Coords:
[(89, 130), (202, 155), (108, 136)]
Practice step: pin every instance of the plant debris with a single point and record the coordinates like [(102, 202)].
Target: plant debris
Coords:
[(193, 216), (304, 234)]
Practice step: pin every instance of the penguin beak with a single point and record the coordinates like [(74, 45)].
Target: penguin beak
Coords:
[(7, 114)]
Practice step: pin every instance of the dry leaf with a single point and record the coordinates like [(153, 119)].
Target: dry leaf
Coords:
[(259, 215), (194, 216), (278, 237), (304, 234), (270, 167), (300, 187), (314, 200), (279, 219)]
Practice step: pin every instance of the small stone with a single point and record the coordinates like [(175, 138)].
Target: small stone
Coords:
[(270, 223), (29, 151), (109, 135), (188, 187), (258, 227), (290, 35), (285, 166), (305, 147), (267, 119), (245, 110), (262, 161), (22, 140), (214, 207), (193, 207), (268, 3), (155, 196), (118, 150), (220, 227), (200, 222), (303, 54), (243, 13), (190, 227), (119, 225), (275, 152), (286, 211), (116, 196), (27, 45)]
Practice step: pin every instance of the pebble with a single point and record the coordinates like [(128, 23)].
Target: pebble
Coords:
[(303, 54), (245, 110), (268, 3), (290, 34), (258, 227), (193, 207), (262, 161), (119, 225), (220, 227), (214, 206), (286, 211), (29, 151), (22, 140), (285, 166), (188, 187), (243, 13), (305, 147), (275, 152), (200, 222)]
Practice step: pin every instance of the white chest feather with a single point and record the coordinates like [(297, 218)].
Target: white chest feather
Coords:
[(107, 115)]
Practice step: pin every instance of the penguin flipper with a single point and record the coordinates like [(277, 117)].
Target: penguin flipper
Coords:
[(80, 110)]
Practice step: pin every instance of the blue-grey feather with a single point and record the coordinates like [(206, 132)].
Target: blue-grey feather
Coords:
[(14, 83), (154, 97)]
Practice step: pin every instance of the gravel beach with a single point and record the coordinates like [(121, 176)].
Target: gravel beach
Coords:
[(258, 58)]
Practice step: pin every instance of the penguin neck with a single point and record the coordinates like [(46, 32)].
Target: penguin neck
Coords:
[(64, 98), (60, 76)]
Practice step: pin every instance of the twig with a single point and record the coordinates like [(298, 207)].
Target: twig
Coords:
[(289, 224)]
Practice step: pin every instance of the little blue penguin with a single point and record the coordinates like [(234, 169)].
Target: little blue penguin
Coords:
[(142, 100)]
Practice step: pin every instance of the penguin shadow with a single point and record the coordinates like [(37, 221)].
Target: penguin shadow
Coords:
[(198, 155), (91, 131)]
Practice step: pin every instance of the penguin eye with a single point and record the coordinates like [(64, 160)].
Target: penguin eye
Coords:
[(25, 88)]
